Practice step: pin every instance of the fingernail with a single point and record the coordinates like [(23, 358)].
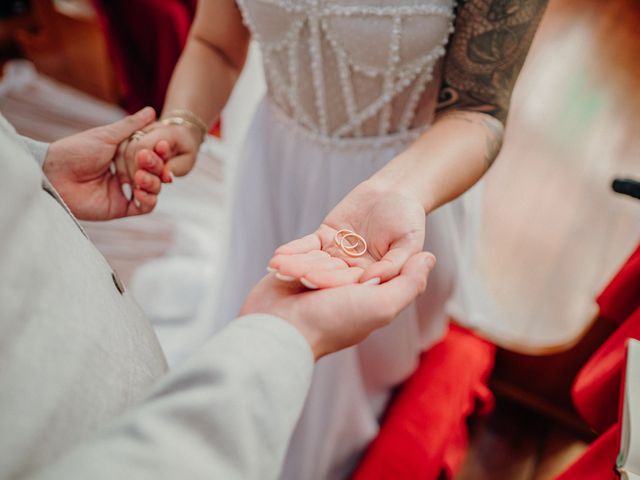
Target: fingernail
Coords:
[(271, 270), (430, 260), (285, 278), (308, 284), (136, 202), (126, 191), (171, 176), (147, 113), (373, 281)]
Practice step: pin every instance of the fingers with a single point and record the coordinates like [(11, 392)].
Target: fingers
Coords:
[(147, 182), (143, 203), (297, 266), (388, 266), (179, 166), (331, 278), (123, 129), (301, 245), (163, 149), (122, 171), (391, 297), (149, 161)]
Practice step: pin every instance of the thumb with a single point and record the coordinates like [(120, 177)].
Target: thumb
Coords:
[(412, 281), (391, 264), (179, 165), (123, 129)]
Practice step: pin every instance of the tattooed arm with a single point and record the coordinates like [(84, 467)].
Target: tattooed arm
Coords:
[(484, 57)]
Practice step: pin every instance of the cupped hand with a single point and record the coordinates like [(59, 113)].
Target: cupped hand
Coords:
[(177, 146), (391, 222), (79, 167), (336, 318)]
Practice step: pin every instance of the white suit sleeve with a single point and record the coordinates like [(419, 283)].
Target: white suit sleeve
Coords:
[(226, 413), (37, 149)]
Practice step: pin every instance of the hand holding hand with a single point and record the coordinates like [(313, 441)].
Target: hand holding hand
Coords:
[(79, 167), (392, 223), (177, 145), (336, 318)]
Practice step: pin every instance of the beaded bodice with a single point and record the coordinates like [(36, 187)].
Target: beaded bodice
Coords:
[(352, 68)]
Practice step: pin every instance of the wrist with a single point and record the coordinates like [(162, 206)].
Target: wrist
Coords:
[(399, 176), (187, 119)]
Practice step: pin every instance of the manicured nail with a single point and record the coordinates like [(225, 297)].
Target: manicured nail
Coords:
[(430, 260), (272, 270), (126, 191), (308, 284), (285, 278), (136, 202), (147, 113), (373, 281)]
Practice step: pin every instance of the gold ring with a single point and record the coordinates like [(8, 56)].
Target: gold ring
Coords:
[(337, 239), (137, 135), (352, 249)]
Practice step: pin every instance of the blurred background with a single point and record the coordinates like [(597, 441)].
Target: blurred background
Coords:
[(554, 233)]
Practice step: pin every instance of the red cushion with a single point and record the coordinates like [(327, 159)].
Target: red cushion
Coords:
[(424, 433)]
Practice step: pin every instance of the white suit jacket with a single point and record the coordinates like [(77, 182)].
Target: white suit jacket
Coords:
[(83, 389)]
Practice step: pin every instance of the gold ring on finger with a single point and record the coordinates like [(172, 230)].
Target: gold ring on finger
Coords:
[(137, 135)]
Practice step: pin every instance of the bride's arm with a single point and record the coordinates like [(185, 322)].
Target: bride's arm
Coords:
[(200, 87), (211, 61), (485, 56)]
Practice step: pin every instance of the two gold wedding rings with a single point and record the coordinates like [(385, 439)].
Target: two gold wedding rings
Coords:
[(350, 243)]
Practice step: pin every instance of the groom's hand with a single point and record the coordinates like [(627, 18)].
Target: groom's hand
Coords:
[(80, 169), (336, 318)]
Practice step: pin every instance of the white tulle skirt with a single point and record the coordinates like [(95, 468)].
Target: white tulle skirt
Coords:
[(287, 182)]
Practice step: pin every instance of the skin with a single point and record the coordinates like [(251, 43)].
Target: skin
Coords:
[(202, 82), (79, 168), (484, 58), (336, 318)]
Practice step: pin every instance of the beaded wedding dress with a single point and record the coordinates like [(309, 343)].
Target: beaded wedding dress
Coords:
[(351, 83)]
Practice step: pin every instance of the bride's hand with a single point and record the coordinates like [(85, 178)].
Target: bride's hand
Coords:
[(177, 145), (391, 222)]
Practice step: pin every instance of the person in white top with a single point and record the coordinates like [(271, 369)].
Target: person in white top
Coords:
[(84, 391), (377, 113)]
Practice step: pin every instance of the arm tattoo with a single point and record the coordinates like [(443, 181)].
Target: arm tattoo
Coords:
[(486, 52)]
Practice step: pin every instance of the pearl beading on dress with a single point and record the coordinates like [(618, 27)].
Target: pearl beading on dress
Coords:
[(310, 28)]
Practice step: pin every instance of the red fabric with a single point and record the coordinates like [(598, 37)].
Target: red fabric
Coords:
[(622, 297), (424, 434), (596, 391), (598, 386), (597, 462), (145, 39)]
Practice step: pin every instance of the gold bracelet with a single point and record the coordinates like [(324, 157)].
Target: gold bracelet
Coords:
[(184, 123), (189, 116)]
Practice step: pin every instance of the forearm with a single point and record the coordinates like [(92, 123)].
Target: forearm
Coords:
[(447, 160), (202, 81), (211, 62), (484, 58)]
